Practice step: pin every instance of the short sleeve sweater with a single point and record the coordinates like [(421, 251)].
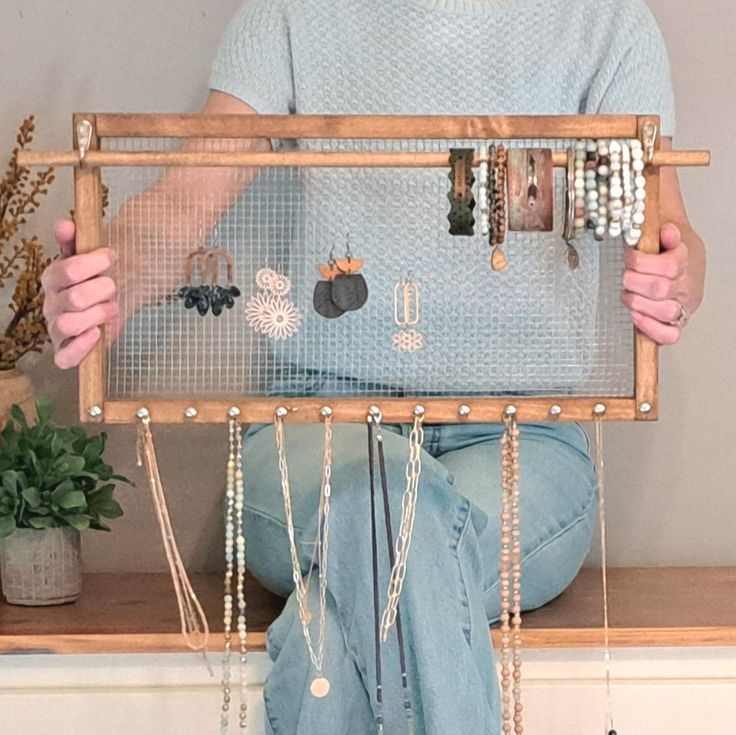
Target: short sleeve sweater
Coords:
[(444, 57), (447, 57)]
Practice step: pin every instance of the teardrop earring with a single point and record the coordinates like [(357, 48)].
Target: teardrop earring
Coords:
[(349, 289), (322, 297)]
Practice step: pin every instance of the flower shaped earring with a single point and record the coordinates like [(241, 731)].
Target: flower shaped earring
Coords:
[(269, 312)]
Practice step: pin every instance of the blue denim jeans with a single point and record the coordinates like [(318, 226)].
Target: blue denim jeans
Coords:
[(451, 587)]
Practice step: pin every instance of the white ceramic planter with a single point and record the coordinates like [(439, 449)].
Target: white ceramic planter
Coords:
[(41, 567)]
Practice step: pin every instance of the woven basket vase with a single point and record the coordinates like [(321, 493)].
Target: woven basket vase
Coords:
[(41, 567)]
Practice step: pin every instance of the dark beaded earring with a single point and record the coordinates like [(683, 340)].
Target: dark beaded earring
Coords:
[(208, 294)]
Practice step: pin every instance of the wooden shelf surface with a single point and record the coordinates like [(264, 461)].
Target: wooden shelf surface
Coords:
[(136, 613)]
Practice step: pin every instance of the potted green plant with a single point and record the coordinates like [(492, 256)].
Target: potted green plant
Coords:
[(54, 483)]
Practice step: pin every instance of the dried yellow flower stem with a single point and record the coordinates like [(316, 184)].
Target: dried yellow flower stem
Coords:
[(22, 259)]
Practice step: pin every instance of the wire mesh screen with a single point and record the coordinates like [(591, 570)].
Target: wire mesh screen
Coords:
[(536, 328)]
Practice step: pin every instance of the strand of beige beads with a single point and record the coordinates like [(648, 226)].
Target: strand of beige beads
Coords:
[(510, 576)]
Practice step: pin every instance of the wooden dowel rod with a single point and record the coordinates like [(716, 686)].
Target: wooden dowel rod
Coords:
[(294, 158)]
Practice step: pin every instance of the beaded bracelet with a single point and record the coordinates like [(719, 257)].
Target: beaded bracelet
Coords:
[(603, 171), (616, 192), (579, 184), (633, 236), (483, 180), (628, 183), (499, 196)]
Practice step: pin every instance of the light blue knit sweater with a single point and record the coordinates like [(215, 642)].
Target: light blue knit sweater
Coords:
[(538, 324)]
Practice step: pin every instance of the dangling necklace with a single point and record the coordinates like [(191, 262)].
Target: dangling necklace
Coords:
[(510, 575), (375, 438), (406, 527), (320, 685), (234, 564), (600, 467)]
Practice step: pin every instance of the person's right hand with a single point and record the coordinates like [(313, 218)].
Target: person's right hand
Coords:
[(79, 298)]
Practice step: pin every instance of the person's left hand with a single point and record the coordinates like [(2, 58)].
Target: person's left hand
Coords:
[(658, 289)]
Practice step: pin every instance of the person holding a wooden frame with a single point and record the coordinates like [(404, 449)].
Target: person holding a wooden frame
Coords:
[(423, 57)]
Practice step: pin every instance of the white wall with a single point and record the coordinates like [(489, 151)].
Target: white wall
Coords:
[(671, 492)]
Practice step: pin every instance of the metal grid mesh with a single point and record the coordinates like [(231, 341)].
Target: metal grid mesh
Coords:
[(535, 328)]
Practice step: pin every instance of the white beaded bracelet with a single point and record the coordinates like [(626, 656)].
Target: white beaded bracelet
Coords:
[(633, 236), (580, 204), (628, 186), (483, 176), (602, 179), (616, 192)]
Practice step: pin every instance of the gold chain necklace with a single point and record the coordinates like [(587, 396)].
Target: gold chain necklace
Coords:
[(320, 686), (406, 527)]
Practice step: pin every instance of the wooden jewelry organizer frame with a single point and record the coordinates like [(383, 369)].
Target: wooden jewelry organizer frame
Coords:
[(88, 159)]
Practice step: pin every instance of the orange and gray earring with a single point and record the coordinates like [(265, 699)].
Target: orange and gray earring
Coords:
[(343, 289)]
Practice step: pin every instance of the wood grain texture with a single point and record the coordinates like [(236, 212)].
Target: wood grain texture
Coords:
[(646, 352), (88, 220), (448, 127), (355, 410), (136, 613)]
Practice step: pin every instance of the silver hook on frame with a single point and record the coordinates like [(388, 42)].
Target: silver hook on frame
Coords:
[(649, 135), (85, 131)]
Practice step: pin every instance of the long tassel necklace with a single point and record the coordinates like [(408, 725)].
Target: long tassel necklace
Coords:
[(600, 467), (320, 685), (374, 427), (374, 568), (510, 576), (194, 626), (234, 566)]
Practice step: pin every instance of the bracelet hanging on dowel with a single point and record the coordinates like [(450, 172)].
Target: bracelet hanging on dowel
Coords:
[(497, 194), (575, 183), (531, 190), (461, 197)]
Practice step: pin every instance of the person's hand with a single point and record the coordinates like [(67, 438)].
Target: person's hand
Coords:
[(79, 298), (658, 289)]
